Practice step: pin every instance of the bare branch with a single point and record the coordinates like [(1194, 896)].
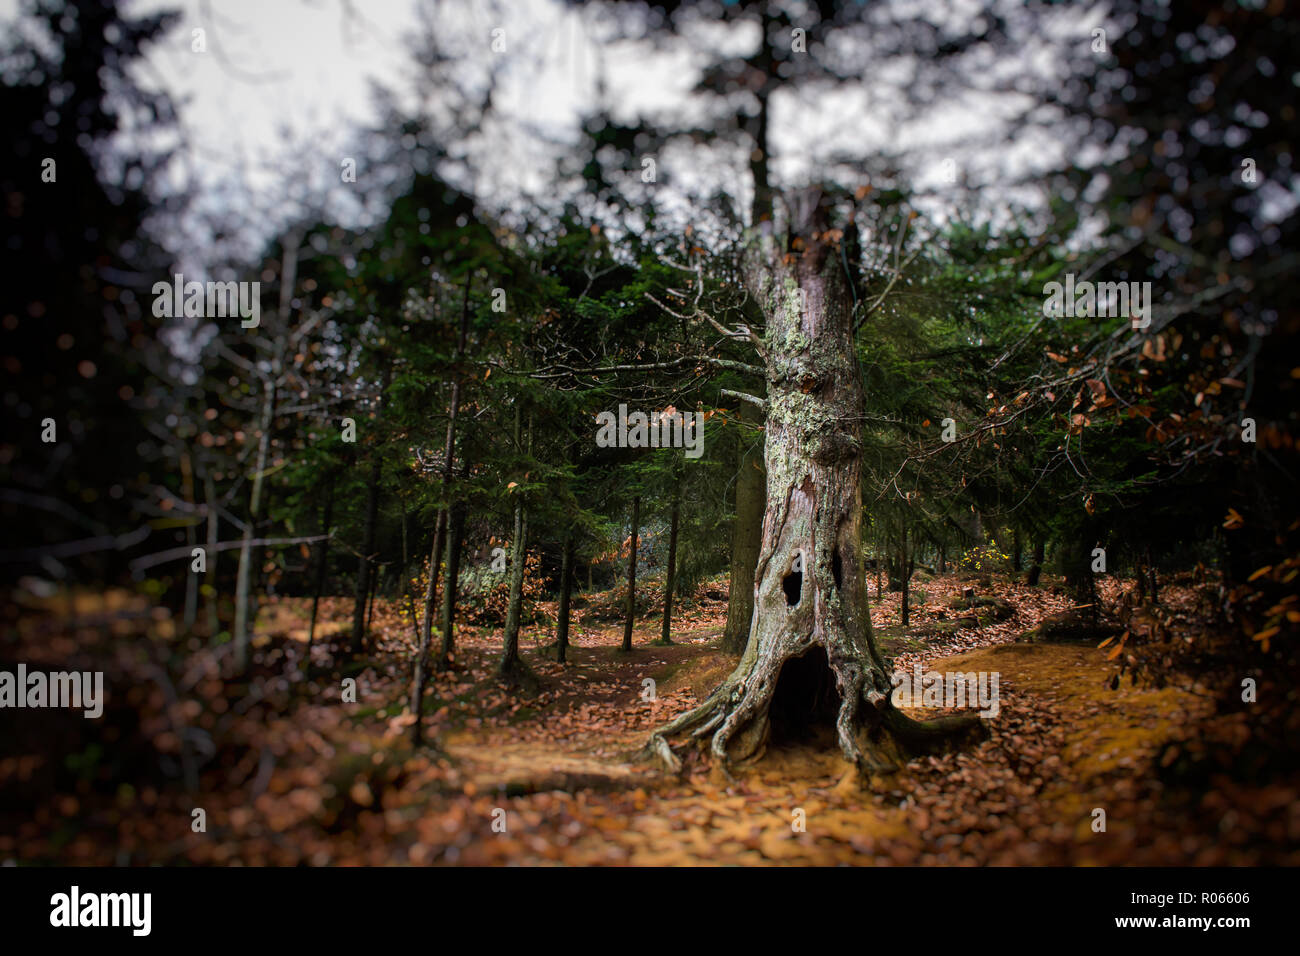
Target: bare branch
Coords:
[(759, 403)]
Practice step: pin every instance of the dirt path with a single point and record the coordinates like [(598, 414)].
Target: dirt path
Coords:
[(302, 776), (1062, 746)]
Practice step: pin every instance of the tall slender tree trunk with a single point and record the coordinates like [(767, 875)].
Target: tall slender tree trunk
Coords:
[(430, 594), (510, 654), (375, 578), (440, 526), (512, 666), (322, 566), (210, 578), (191, 540), (566, 591), (746, 537), (243, 576), (361, 593), (630, 617), (905, 562), (1015, 550), (191, 612), (1036, 566), (455, 548), (811, 657), (244, 571), (747, 528), (670, 584)]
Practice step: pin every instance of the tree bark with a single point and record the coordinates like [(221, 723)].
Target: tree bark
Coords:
[(746, 539), (630, 617), (440, 524), (361, 593), (512, 666), (243, 610), (322, 564), (421, 674), (510, 656), (566, 591), (455, 547), (905, 563), (670, 582), (1036, 567), (810, 603), (1015, 550), (244, 572), (191, 541), (375, 577), (210, 579)]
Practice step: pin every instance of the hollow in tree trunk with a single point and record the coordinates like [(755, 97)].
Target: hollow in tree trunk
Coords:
[(811, 622)]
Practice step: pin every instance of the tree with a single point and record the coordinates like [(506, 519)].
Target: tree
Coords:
[(629, 616), (746, 538), (670, 572), (810, 595)]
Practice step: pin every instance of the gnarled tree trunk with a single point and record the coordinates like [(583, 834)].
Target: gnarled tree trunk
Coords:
[(810, 655)]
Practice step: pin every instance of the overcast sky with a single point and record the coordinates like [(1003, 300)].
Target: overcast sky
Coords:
[(271, 104)]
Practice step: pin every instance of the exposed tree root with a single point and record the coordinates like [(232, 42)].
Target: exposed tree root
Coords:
[(874, 737)]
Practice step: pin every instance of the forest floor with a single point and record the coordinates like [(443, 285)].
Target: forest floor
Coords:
[(290, 774)]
